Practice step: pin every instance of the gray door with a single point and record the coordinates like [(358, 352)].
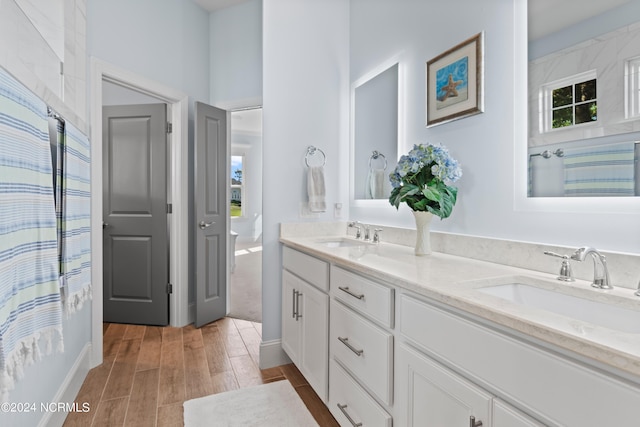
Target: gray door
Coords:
[(135, 237), (211, 213)]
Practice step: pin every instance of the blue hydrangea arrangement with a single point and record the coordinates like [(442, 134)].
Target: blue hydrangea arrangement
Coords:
[(419, 180)]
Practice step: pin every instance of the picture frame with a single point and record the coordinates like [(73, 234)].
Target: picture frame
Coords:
[(454, 82)]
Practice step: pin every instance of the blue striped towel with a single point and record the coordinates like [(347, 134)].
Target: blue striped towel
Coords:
[(30, 306), (76, 218), (603, 170)]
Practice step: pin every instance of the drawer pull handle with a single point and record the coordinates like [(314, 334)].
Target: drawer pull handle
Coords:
[(345, 341), (347, 290), (343, 408), (473, 422)]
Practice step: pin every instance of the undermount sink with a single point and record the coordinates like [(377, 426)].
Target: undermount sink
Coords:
[(597, 313), (342, 242)]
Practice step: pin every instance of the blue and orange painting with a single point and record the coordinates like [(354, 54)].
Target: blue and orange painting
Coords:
[(452, 83)]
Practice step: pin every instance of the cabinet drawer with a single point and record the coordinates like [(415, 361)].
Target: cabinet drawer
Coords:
[(364, 349), (306, 267), (368, 297), (348, 400)]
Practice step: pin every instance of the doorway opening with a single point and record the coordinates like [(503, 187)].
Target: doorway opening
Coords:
[(102, 72), (245, 191)]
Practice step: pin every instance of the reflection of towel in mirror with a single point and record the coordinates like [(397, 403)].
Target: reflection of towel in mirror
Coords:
[(603, 170), (316, 190), (375, 184)]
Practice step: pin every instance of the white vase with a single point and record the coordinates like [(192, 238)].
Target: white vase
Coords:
[(423, 226)]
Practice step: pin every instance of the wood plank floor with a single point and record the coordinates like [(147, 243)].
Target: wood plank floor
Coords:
[(148, 372)]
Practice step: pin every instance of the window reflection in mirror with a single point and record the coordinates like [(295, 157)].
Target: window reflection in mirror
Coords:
[(375, 134)]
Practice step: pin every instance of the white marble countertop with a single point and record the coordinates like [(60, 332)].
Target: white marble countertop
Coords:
[(455, 281)]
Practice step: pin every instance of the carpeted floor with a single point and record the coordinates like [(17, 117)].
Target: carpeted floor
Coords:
[(245, 290)]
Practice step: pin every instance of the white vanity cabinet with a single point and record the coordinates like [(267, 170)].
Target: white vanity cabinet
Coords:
[(305, 317), (393, 354), (556, 391)]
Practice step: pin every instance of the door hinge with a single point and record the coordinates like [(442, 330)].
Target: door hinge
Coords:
[(169, 127), (169, 208), (169, 288)]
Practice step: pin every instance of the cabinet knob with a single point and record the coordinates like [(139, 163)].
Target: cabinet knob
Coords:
[(473, 422)]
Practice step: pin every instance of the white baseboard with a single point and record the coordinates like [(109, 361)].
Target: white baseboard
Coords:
[(272, 354), (69, 388)]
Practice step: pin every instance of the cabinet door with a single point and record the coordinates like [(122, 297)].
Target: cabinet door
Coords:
[(290, 322), (314, 337), (506, 416), (430, 395)]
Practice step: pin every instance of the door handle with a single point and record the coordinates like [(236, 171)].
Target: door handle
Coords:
[(293, 305), (204, 225), (298, 315), (105, 225)]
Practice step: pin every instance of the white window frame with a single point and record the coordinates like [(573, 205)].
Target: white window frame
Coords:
[(546, 100), (632, 88), (240, 186)]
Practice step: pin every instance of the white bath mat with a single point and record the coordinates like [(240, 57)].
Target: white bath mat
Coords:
[(275, 404)]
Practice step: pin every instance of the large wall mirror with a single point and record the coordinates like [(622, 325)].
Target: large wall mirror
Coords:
[(374, 133), (584, 98)]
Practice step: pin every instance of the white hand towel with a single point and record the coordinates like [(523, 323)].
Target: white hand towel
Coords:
[(316, 190), (375, 184)]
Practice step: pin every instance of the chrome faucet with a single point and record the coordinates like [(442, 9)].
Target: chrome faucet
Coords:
[(367, 233), (600, 271), (354, 224)]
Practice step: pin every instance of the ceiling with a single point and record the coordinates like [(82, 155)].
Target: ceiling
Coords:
[(549, 16), (545, 16)]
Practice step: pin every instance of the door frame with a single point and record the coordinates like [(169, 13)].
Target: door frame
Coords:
[(177, 180)]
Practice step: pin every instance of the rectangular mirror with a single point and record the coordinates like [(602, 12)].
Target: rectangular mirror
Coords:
[(584, 98), (374, 137)]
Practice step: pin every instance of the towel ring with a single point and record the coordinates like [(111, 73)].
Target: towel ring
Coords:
[(312, 151), (375, 156)]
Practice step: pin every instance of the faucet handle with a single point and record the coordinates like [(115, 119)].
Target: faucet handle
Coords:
[(566, 273)]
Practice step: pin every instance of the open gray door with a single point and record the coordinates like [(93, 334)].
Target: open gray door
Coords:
[(211, 213), (135, 214)]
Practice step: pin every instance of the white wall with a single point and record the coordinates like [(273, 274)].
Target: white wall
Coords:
[(491, 147), (306, 87), (166, 41), (236, 55), (25, 54)]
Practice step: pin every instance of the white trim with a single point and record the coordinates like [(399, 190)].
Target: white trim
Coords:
[(69, 389), (178, 171), (272, 354)]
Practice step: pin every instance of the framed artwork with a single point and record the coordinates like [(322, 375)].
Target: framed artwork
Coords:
[(455, 82)]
